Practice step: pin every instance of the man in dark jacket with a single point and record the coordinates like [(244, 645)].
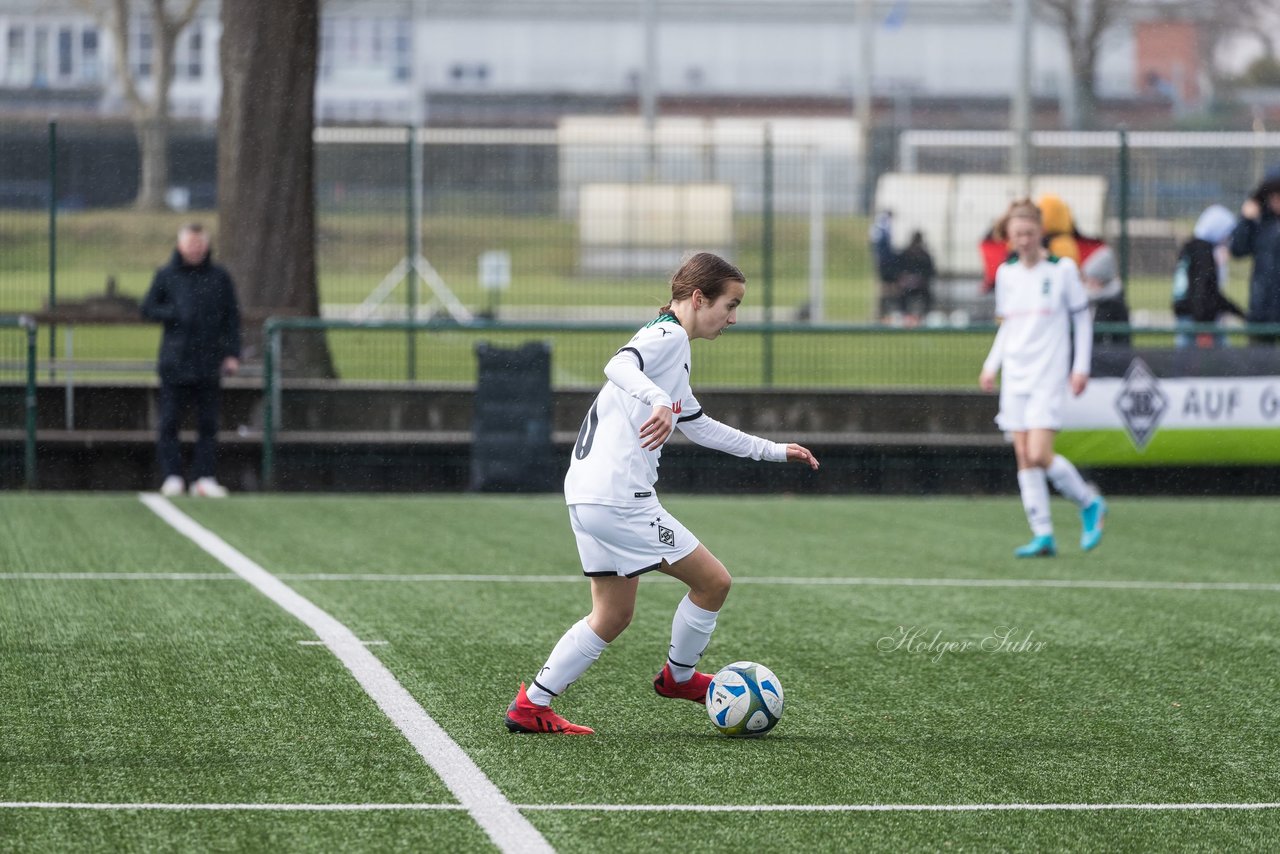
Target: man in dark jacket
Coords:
[(195, 299), (1258, 234)]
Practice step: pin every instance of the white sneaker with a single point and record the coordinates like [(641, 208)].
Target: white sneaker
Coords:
[(172, 486), (207, 487)]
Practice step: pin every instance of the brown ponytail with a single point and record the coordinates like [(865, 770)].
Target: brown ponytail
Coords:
[(703, 272)]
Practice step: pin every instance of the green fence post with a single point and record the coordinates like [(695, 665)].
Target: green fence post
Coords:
[(53, 245), (29, 461), (270, 334), (766, 260), (411, 257), (1123, 200)]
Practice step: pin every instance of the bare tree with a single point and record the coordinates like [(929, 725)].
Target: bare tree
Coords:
[(150, 113), (1223, 20), (266, 199), (1083, 24)]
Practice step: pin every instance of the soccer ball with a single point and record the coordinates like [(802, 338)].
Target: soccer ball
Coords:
[(744, 699)]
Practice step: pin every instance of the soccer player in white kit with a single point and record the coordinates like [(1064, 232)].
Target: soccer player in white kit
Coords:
[(1039, 298), (621, 529)]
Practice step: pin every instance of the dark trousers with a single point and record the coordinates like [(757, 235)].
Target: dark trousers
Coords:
[(173, 400)]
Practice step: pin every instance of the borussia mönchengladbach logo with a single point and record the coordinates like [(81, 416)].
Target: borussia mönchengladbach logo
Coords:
[(1141, 403), (666, 536)]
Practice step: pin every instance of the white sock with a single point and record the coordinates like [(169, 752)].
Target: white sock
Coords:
[(1067, 480), (576, 650), (1035, 500), (691, 630)]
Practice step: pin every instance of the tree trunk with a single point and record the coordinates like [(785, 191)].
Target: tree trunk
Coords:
[(266, 204), (152, 132), (1085, 82)]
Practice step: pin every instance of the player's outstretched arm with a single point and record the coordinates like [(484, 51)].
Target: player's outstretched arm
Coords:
[(800, 454)]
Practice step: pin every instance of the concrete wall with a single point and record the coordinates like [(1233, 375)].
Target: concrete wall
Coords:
[(389, 438)]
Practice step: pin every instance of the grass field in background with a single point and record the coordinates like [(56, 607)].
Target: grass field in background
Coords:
[(869, 358), (1155, 683), (355, 251)]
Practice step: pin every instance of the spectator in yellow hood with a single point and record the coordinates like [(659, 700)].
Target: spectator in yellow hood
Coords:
[(1098, 267), (1059, 229)]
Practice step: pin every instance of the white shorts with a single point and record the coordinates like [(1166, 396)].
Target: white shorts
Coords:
[(1040, 409), (628, 541)]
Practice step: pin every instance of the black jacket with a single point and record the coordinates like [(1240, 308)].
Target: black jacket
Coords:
[(1203, 301), (1261, 239), (197, 305)]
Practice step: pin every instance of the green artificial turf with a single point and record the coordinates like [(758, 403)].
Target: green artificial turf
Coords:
[(197, 690)]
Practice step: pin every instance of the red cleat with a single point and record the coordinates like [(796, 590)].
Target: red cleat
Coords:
[(694, 689), (524, 716)]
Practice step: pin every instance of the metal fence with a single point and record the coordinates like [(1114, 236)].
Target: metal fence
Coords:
[(17, 402), (549, 226)]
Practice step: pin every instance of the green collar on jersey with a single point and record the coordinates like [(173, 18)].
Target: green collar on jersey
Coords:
[(1013, 258), (665, 317)]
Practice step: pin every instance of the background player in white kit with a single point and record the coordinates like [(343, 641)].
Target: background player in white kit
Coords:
[(621, 529), (1038, 299)]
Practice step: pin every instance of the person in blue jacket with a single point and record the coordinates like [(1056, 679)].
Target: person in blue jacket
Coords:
[(1258, 234), (195, 299)]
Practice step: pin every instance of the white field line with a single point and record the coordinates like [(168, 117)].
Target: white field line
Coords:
[(885, 807), (497, 816), (573, 578), (819, 581), (118, 576), (321, 643), (703, 808)]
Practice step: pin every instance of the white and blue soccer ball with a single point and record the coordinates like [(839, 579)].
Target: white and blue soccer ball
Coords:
[(744, 699)]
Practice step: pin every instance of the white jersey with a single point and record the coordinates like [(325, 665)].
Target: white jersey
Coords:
[(1036, 307), (608, 465)]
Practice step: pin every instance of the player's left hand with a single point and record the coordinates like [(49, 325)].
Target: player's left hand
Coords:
[(1078, 382), (657, 429), (800, 454)]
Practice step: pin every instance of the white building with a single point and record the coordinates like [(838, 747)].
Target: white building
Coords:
[(376, 53)]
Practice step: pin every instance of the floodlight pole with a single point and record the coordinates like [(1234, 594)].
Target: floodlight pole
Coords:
[(862, 106), (1020, 113), (417, 119), (649, 87)]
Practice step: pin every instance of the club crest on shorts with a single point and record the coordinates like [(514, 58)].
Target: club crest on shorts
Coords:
[(666, 536)]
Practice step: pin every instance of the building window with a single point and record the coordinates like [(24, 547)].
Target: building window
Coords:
[(195, 47), (141, 48), (17, 70), (64, 53), (377, 45), (463, 73), (402, 58), (90, 70), (40, 53), (326, 49)]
